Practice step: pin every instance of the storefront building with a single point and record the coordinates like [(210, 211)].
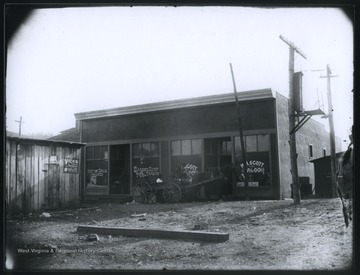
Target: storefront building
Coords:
[(124, 145)]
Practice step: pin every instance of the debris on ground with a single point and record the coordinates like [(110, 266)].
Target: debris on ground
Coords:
[(256, 241), (45, 215), (92, 237), (138, 215)]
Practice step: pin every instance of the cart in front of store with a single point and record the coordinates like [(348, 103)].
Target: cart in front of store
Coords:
[(179, 187)]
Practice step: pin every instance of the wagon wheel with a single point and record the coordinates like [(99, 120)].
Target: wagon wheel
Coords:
[(171, 192), (144, 193)]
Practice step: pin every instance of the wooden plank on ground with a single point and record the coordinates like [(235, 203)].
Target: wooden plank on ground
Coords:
[(155, 233)]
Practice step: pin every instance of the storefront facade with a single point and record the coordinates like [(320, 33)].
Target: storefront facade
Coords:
[(124, 145)]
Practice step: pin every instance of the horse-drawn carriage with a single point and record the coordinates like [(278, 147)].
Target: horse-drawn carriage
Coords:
[(184, 185)]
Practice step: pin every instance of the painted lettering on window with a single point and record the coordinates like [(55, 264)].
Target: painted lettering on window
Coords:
[(142, 172), (190, 169), (254, 166), (99, 172)]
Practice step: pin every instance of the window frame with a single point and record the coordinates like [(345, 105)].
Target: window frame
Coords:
[(181, 141), (152, 154), (311, 151)]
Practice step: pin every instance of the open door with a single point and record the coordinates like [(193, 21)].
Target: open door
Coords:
[(120, 169)]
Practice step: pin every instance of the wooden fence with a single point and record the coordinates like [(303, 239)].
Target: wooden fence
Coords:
[(41, 174)]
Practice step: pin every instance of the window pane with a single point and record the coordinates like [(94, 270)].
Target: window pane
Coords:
[(136, 150), (114, 152), (214, 147), (263, 143), (90, 152), (146, 149), (237, 145), (186, 147), (310, 151), (223, 147), (154, 149), (175, 148), (207, 147), (97, 152), (226, 147), (251, 145), (196, 146), (104, 152)]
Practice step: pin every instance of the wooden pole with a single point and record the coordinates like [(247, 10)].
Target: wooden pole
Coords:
[(292, 136), (20, 122), (243, 149), (332, 135)]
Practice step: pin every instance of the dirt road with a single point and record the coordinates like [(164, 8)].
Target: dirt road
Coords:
[(263, 235)]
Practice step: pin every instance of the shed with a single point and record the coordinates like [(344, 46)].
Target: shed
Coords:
[(41, 174), (322, 170)]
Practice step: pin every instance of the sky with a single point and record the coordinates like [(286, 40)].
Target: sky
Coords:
[(71, 60)]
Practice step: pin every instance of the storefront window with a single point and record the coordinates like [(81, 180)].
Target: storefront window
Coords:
[(263, 143), (186, 147), (175, 148), (251, 143), (226, 147), (97, 170), (258, 160), (146, 163), (186, 151), (217, 154), (196, 146), (146, 149)]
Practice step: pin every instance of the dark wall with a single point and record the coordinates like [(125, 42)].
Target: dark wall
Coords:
[(187, 121)]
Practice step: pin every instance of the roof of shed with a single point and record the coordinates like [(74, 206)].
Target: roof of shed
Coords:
[(179, 103), (337, 156), (71, 135), (45, 141)]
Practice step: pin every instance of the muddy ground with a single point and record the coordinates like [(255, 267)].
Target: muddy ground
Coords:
[(263, 235)]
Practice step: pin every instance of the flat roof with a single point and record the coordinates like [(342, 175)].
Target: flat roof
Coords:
[(177, 104)]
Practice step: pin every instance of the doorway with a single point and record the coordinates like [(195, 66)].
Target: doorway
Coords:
[(120, 169)]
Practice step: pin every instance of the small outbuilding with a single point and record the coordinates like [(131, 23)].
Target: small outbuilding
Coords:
[(41, 174), (322, 170)]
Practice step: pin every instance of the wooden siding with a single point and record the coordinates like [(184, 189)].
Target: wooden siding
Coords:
[(32, 184)]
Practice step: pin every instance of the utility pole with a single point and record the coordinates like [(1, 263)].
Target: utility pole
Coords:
[(243, 149), (332, 132), (20, 122), (292, 121)]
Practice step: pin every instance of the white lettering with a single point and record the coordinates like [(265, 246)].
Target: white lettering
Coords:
[(142, 172)]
